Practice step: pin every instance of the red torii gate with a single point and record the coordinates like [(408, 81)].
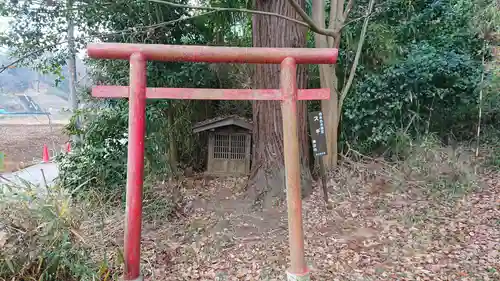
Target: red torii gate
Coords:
[(137, 92)]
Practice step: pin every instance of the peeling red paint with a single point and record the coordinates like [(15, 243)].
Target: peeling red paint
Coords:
[(288, 85), (135, 166), (212, 54)]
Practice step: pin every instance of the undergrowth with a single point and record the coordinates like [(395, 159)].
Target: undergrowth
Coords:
[(427, 167), (490, 151), (438, 170), (50, 234), (39, 236)]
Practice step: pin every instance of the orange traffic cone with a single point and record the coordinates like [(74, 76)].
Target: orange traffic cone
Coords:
[(45, 157)]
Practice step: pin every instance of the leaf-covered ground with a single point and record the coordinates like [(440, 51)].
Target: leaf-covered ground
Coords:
[(371, 233)]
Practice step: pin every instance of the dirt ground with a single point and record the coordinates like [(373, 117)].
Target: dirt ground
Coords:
[(368, 235), (22, 141)]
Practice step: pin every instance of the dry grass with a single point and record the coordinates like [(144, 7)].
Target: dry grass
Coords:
[(46, 235), (427, 168), (39, 235)]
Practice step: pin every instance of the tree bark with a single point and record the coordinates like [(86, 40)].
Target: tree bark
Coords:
[(72, 66), (267, 181), (330, 110), (328, 79)]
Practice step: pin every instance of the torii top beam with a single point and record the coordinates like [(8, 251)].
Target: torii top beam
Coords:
[(211, 54)]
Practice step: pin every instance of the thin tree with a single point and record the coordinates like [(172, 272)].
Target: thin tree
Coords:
[(330, 38)]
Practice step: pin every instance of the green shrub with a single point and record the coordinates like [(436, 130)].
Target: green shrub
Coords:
[(99, 162), (431, 91)]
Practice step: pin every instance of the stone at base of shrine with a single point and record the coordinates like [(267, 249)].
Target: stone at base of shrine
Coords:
[(298, 277)]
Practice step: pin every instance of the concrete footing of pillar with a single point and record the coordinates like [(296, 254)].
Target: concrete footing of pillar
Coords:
[(298, 277)]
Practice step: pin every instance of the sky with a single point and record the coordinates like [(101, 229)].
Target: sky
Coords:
[(4, 25), (4, 22)]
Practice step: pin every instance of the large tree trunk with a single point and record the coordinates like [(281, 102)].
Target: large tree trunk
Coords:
[(267, 182)]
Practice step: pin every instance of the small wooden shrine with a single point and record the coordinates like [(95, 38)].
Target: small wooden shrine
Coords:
[(229, 145)]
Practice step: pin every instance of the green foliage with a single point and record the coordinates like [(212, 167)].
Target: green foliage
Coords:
[(420, 72), (39, 237), (35, 32), (431, 91), (100, 161)]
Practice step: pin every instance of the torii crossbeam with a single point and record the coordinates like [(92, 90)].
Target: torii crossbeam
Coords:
[(137, 92)]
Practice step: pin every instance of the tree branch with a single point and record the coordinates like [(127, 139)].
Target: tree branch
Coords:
[(333, 21), (362, 17), (310, 22), (355, 20), (480, 105), (348, 9), (348, 84), (148, 28), (132, 30), (318, 15), (221, 9), (5, 67)]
